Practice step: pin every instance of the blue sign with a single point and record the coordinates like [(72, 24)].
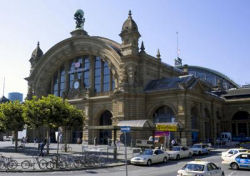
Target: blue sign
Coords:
[(125, 129)]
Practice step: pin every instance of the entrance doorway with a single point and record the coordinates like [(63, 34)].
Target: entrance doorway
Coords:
[(241, 124), (105, 135)]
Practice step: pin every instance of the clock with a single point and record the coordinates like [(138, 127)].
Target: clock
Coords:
[(76, 84)]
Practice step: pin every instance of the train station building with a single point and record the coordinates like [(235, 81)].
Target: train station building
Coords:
[(114, 82)]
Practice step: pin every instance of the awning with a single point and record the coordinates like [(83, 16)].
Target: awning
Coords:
[(136, 123)]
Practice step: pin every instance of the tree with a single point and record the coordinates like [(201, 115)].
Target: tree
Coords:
[(52, 112), (11, 118)]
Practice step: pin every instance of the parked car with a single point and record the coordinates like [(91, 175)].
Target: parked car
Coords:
[(199, 149), (149, 156), (200, 168), (231, 152), (178, 152), (239, 160)]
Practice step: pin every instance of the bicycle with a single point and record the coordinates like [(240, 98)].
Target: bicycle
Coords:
[(68, 148), (42, 163), (56, 162), (7, 163)]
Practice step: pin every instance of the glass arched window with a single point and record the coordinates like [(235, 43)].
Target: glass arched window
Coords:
[(86, 73), (62, 82), (79, 69), (164, 115), (98, 71), (106, 77), (55, 86)]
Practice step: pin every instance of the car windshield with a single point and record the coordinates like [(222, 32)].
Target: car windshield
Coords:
[(147, 152), (176, 148), (196, 146), (193, 167)]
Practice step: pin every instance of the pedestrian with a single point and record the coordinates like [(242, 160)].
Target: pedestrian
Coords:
[(42, 145), (173, 143)]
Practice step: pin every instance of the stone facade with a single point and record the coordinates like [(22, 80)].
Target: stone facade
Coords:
[(195, 109)]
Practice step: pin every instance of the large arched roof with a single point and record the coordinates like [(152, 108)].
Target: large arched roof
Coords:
[(226, 79), (70, 48)]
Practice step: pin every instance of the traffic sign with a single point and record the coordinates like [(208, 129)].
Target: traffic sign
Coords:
[(125, 129)]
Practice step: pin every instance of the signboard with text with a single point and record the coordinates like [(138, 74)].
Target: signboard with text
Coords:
[(166, 127)]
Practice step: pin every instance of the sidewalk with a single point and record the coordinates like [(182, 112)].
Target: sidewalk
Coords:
[(31, 150)]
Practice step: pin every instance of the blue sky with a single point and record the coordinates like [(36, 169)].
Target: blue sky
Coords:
[(212, 33)]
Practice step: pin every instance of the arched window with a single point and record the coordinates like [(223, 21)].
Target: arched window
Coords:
[(164, 114), (62, 82), (55, 86), (106, 77), (79, 73), (98, 73)]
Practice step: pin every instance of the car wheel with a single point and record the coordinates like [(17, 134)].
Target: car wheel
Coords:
[(222, 174), (234, 166), (178, 157), (165, 160), (199, 153), (149, 162)]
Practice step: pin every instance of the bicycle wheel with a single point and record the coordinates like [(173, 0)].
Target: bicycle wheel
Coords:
[(78, 163), (49, 165), (25, 164), (12, 164), (62, 164), (42, 164), (2, 165)]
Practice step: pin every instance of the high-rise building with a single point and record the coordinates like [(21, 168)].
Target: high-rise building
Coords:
[(15, 96)]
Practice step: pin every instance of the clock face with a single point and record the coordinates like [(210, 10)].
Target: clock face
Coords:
[(76, 84)]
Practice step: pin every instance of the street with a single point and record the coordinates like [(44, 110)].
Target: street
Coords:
[(169, 169)]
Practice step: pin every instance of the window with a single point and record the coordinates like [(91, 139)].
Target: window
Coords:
[(55, 86), (106, 77), (86, 73), (98, 74), (62, 82)]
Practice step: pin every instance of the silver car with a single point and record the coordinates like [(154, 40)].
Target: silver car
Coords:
[(149, 156)]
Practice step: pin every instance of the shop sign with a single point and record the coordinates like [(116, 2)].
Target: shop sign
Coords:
[(166, 127)]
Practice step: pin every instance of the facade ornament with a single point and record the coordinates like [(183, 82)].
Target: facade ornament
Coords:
[(142, 47), (79, 17), (158, 54)]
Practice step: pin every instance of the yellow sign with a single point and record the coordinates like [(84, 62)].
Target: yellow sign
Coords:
[(166, 127)]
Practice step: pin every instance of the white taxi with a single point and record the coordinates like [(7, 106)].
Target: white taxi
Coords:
[(231, 152), (178, 152), (200, 168), (238, 161), (199, 149), (149, 157)]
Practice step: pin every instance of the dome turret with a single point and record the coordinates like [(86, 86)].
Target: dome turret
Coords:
[(129, 25), (130, 36), (36, 55)]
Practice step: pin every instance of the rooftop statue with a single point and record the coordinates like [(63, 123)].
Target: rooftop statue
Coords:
[(78, 16)]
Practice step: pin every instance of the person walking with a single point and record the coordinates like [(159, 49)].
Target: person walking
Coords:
[(42, 145)]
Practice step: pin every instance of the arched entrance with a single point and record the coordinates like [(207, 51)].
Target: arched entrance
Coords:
[(105, 120), (241, 124), (164, 114)]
